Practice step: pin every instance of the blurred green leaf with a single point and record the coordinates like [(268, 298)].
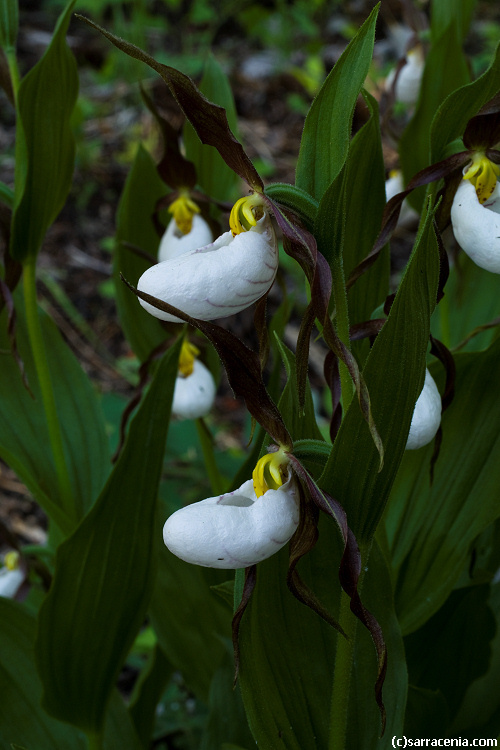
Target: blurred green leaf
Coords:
[(105, 571), (147, 692), (22, 719), (45, 146), (444, 11), (447, 57), (24, 442), (426, 713), (453, 648), (430, 528), (9, 22), (327, 129), (189, 619), (214, 176), (134, 225), (452, 116), (394, 373)]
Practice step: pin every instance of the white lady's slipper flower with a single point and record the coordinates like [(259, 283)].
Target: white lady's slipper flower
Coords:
[(194, 390), (221, 278), (426, 415), (11, 575), (174, 243), (475, 213), (407, 88), (393, 186), (239, 528)]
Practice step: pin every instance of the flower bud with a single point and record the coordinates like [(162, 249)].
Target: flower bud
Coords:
[(426, 415)]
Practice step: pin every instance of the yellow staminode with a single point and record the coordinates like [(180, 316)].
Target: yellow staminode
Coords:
[(183, 209), (483, 174), (188, 354), (245, 213), (269, 471), (11, 560)]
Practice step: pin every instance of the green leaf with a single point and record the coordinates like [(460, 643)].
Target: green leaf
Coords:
[(299, 425), (45, 146), (214, 176), (189, 619), (147, 692), (24, 442), (134, 225), (105, 571), (447, 57), (291, 196), (452, 116), (23, 719), (365, 191), (426, 713), (453, 648), (9, 22), (327, 129), (394, 373), (430, 528), (444, 11), (6, 195)]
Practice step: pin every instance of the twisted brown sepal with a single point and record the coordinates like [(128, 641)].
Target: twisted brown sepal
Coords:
[(242, 366), (174, 169), (483, 130), (259, 319), (300, 244), (248, 587), (349, 574), (439, 350), (393, 207), (209, 120)]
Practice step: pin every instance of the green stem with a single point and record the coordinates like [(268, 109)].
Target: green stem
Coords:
[(342, 322), (15, 78), (342, 676), (94, 741), (207, 446), (444, 318), (44, 380)]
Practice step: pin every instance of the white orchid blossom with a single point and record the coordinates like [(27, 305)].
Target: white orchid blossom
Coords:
[(408, 82), (393, 186), (426, 415), (239, 528), (175, 243), (11, 575), (221, 278), (194, 390), (475, 214)]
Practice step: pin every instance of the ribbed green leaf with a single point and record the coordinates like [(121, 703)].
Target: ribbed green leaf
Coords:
[(9, 22), (189, 619), (24, 442), (45, 146), (23, 722), (213, 175), (105, 572), (447, 57), (452, 116), (133, 225), (431, 528), (327, 129), (394, 373)]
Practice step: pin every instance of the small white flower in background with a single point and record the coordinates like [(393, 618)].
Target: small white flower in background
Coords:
[(407, 87), (186, 231), (475, 213), (221, 278), (239, 528), (194, 391), (393, 186), (426, 415), (11, 575)]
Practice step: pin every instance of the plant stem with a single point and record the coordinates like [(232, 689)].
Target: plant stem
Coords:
[(10, 54), (207, 447), (444, 318), (342, 676), (44, 380)]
